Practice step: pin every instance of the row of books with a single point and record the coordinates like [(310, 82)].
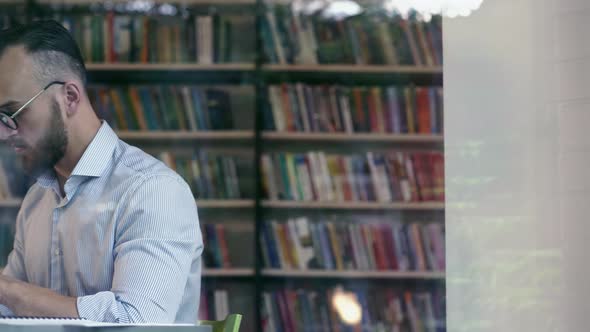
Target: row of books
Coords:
[(210, 176), (216, 252), (322, 108), (119, 37), (214, 304), (335, 245), (13, 182), (6, 240), (6, 192), (333, 309), (374, 176), (163, 107), (9, 17), (290, 37)]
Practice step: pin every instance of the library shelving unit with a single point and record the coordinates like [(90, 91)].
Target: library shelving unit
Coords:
[(243, 219)]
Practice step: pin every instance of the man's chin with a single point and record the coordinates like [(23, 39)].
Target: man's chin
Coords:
[(30, 166)]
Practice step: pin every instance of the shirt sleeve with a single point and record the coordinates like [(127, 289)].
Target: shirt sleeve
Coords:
[(157, 239), (4, 311), (15, 266)]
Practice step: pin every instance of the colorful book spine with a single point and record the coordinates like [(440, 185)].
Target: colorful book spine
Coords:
[(302, 244), (214, 304), (292, 37), (338, 109), (149, 108), (210, 176), (375, 176), (216, 252), (383, 309), (127, 38)]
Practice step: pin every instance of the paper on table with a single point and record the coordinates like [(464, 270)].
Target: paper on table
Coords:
[(32, 321)]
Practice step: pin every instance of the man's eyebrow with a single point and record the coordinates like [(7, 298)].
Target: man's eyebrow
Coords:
[(11, 104)]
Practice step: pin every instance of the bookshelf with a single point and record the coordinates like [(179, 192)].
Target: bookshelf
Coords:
[(410, 80)]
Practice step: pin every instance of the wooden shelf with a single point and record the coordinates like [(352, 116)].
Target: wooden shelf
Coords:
[(169, 66), (353, 274), (346, 205), (234, 272), (186, 135), (348, 138), (11, 203), (222, 204), (349, 69), (207, 203), (353, 69), (278, 136), (170, 73)]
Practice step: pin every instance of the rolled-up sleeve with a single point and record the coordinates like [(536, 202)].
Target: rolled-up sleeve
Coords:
[(157, 239), (15, 267), (5, 311)]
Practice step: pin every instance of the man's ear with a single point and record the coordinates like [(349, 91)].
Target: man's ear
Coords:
[(73, 97)]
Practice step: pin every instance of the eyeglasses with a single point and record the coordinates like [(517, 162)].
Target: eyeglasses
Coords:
[(9, 120)]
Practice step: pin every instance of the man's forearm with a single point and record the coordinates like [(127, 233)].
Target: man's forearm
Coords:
[(29, 300)]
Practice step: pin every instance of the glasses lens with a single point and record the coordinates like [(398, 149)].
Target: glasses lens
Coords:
[(7, 127)]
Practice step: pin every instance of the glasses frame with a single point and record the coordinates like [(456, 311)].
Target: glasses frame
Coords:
[(4, 115)]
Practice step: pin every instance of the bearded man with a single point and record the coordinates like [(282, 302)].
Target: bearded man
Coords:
[(107, 233)]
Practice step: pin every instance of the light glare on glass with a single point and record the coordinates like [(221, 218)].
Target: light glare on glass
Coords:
[(347, 307)]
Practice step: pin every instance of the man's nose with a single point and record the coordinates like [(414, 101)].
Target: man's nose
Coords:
[(7, 133)]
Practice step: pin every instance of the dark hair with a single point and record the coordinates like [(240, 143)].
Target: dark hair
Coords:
[(52, 47)]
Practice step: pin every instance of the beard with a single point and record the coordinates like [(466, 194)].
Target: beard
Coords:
[(50, 149)]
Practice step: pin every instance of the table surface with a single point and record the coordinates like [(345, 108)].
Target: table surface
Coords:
[(72, 328)]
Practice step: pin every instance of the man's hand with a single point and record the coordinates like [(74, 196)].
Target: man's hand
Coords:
[(29, 300), (5, 283)]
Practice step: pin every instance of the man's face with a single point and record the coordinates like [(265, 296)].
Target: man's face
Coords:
[(41, 138)]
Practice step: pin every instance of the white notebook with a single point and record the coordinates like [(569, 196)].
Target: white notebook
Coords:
[(68, 321)]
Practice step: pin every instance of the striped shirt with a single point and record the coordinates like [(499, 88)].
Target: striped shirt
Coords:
[(125, 240)]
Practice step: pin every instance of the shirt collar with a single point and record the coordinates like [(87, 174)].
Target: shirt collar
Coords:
[(97, 156), (95, 159)]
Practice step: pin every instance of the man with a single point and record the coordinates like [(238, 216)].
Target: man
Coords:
[(107, 232)]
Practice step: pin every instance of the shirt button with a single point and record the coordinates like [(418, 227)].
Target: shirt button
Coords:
[(56, 252)]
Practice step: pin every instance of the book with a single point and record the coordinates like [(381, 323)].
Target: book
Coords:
[(214, 304)]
